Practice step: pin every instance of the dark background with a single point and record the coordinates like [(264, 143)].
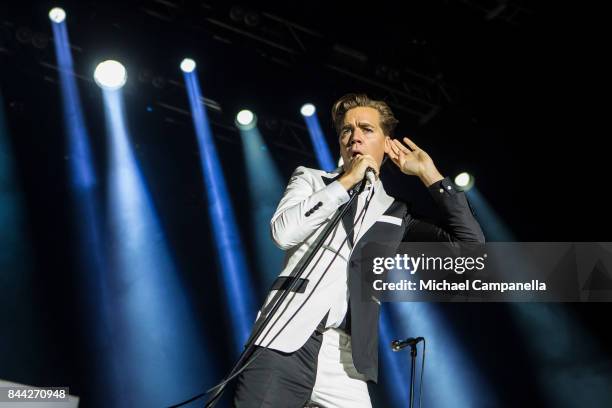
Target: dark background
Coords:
[(515, 99)]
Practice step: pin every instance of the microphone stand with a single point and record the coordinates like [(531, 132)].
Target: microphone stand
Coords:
[(413, 354), (397, 345), (281, 295)]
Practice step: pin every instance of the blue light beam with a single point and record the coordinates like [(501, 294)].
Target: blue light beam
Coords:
[(396, 365), (80, 157), (318, 142), (495, 230), (447, 366), (236, 278), (156, 336), (89, 251), (265, 189)]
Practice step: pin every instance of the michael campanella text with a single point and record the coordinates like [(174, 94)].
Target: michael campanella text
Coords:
[(477, 284)]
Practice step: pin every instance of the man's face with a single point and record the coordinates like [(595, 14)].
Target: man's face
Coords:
[(361, 134)]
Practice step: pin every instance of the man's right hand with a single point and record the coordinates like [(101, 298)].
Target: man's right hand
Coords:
[(355, 170)]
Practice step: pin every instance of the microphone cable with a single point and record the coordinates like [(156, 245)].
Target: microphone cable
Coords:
[(235, 372)]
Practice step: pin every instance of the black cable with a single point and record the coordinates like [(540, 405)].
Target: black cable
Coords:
[(235, 372), (254, 356), (360, 188), (422, 370), (273, 302), (336, 253)]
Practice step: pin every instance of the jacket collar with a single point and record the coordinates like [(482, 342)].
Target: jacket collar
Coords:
[(332, 176)]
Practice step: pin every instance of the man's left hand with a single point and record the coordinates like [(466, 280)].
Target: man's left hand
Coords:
[(412, 160)]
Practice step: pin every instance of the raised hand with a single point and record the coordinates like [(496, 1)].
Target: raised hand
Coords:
[(412, 160)]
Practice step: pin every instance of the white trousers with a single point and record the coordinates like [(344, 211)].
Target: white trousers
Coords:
[(338, 384)]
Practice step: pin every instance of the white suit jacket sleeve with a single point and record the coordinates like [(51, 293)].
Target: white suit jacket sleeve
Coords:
[(302, 209)]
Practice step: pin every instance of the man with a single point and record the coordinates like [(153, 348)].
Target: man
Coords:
[(322, 347)]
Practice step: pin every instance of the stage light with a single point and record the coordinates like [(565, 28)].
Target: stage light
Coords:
[(308, 109), (188, 65), (110, 75), (464, 180), (245, 119), (57, 15)]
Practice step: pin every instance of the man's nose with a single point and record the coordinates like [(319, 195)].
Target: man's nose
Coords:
[(356, 137)]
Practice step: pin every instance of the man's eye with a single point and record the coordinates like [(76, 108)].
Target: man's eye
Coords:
[(368, 129)]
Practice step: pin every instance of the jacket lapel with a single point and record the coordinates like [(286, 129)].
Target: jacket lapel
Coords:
[(347, 220), (378, 205)]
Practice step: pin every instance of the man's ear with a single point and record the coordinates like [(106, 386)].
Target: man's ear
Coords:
[(387, 140)]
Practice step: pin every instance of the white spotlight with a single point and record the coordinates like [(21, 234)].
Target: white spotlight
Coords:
[(188, 65), (57, 15), (308, 109), (245, 119), (464, 180), (110, 75)]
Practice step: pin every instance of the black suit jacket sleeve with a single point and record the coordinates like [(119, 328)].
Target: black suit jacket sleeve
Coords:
[(458, 224)]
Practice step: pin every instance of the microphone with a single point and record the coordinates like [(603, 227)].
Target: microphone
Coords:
[(370, 175), (397, 345)]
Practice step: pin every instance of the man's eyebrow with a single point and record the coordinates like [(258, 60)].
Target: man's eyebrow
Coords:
[(362, 123)]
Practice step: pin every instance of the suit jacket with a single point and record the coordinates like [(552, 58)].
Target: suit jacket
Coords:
[(311, 199)]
